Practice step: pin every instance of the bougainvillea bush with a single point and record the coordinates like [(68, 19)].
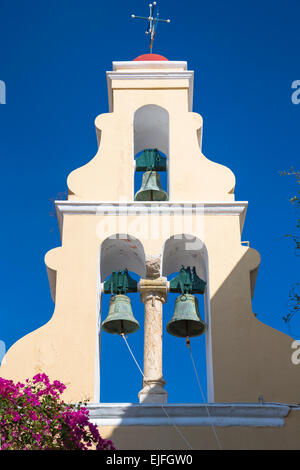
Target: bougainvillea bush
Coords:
[(33, 417)]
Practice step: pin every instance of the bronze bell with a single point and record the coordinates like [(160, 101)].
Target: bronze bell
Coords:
[(120, 318), (151, 189), (186, 320)]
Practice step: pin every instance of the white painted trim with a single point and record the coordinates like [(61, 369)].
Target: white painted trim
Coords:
[(97, 376), (238, 208), (218, 414), (149, 64), (210, 386), (180, 75), (167, 75)]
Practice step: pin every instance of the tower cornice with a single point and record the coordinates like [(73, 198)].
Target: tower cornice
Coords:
[(150, 70), (153, 64), (237, 208)]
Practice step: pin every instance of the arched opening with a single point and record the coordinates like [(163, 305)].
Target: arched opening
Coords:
[(187, 250), (118, 375), (151, 131), (122, 251)]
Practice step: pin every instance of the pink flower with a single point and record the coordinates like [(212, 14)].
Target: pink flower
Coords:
[(16, 417), (35, 414)]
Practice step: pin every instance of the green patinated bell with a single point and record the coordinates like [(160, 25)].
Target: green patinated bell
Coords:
[(120, 318), (151, 189), (186, 320)]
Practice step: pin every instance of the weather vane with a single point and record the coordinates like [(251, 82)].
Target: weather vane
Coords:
[(152, 22)]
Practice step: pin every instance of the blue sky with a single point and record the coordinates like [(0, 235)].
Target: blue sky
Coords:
[(53, 60)]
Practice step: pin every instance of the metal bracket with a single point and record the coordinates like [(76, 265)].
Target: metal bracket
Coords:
[(120, 283), (151, 159), (187, 282)]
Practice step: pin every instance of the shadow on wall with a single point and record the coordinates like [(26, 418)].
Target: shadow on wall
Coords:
[(250, 358), (203, 438)]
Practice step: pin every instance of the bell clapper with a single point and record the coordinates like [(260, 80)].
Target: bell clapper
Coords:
[(188, 341)]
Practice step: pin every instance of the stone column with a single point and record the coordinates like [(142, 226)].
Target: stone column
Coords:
[(153, 294)]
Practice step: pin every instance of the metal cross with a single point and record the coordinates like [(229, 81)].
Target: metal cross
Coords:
[(152, 22)]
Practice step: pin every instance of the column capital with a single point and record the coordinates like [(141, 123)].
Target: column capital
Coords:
[(150, 288)]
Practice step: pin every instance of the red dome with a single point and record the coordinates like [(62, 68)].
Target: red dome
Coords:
[(150, 57)]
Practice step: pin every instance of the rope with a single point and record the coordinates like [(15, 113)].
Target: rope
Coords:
[(188, 343), (123, 336), (177, 429), (163, 408)]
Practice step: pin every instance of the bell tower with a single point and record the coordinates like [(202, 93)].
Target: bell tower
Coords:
[(182, 219), (151, 130)]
